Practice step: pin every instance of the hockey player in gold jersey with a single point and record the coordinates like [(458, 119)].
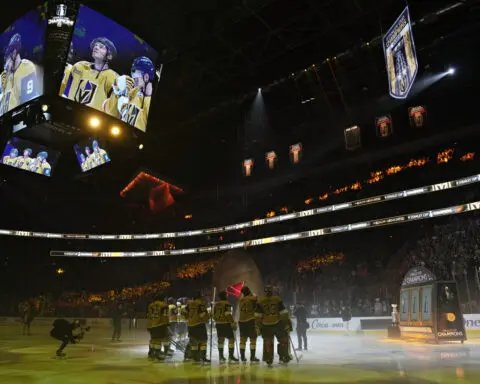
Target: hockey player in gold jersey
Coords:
[(40, 164), (19, 82), (274, 320), (157, 315), (197, 316), (24, 161), (131, 97), (225, 326), (247, 325), (12, 158), (90, 83)]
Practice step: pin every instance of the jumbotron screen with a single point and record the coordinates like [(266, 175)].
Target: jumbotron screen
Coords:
[(91, 154), (110, 69), (30, 157), (22, 47)]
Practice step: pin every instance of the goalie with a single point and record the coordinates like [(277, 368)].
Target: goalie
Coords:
[(131, 97), (67, 333)]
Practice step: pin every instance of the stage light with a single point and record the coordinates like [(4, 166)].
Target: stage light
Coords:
[(140, 146), (259, 89), (44, 108), (60, 271), (451, 71), (94, 122), (115, 131)]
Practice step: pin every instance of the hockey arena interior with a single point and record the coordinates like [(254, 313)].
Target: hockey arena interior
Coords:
[(243, 191)]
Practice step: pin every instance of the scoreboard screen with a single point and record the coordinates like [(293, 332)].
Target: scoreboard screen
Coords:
[(110, 69), (91, 154), (21, 60)]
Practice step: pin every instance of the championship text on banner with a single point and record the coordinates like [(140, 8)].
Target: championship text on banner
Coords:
[(400, 56)]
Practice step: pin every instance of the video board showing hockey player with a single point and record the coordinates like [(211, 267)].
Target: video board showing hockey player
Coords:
[(22, 47), (28, 156), (91, 154), (110, 69)]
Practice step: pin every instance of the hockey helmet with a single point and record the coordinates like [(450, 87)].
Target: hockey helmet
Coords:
[(246, 291), (15, 44), (222, 295), (144, 65)]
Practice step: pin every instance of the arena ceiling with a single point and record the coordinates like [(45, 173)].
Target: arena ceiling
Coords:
[(217, 53)]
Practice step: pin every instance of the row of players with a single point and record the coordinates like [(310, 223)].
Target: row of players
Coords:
[(91, 83), (90, 159), (38, 164), (266, 316)]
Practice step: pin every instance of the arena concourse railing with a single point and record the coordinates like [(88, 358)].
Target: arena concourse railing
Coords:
[(453, 210), (258, 222)]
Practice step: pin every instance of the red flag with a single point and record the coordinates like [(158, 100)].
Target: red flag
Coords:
[(235, 289)]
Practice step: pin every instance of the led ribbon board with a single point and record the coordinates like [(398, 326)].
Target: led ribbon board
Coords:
[(255, 223), (462, 208)]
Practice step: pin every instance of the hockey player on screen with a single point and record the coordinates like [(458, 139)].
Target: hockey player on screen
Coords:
[(99, 155), (132, 96), (11, 158), (90, 83), (19, 79), (273, 318), (24, 161), (40, 164)]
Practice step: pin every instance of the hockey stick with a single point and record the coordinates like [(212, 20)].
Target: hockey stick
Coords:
[(211, 320), (293, 347)]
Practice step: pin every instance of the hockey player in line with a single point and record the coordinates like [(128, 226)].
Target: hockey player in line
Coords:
[(197, 317), (247, 325), (226, 327), (274, 320), (158, 323)]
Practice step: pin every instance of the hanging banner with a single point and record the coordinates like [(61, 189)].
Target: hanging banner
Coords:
[(384, 126), (247, 167), (295, 153), (418, 117), (271, 159), (352, 138), (400, 56)]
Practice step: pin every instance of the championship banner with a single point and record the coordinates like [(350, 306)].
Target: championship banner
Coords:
[(352, 138), (295, 153), (400, 56), (271, 159), (247, 167), (384, 126), (418, 117)]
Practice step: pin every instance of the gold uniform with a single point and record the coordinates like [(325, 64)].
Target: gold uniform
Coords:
[(271, 310), (23, 162), (11, 161), (134, 111), (157, 314), (247, 307), (223, 312), (18, 87), (88, 86), (196, 312), (66, 75)]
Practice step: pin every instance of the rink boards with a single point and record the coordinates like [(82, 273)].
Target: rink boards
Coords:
[(316, 325)]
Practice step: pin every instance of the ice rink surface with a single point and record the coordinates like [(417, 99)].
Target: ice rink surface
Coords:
[(330, 359)]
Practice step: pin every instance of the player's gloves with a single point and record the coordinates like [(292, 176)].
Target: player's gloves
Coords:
[(123, 85)]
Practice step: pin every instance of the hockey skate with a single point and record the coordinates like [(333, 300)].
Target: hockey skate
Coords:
[(60, 355)]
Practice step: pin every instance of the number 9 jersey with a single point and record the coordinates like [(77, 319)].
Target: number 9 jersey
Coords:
[(19, 87)]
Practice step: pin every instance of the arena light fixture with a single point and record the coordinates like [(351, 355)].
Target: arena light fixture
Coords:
[(140, 146), (94, 122), (44, 108), (115, 131), (451, 71)]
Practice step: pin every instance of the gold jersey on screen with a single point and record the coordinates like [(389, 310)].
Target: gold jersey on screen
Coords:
[(18, 87), (11, 161), (132, 108), (23, 162), (66, 75), (87, 86)]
